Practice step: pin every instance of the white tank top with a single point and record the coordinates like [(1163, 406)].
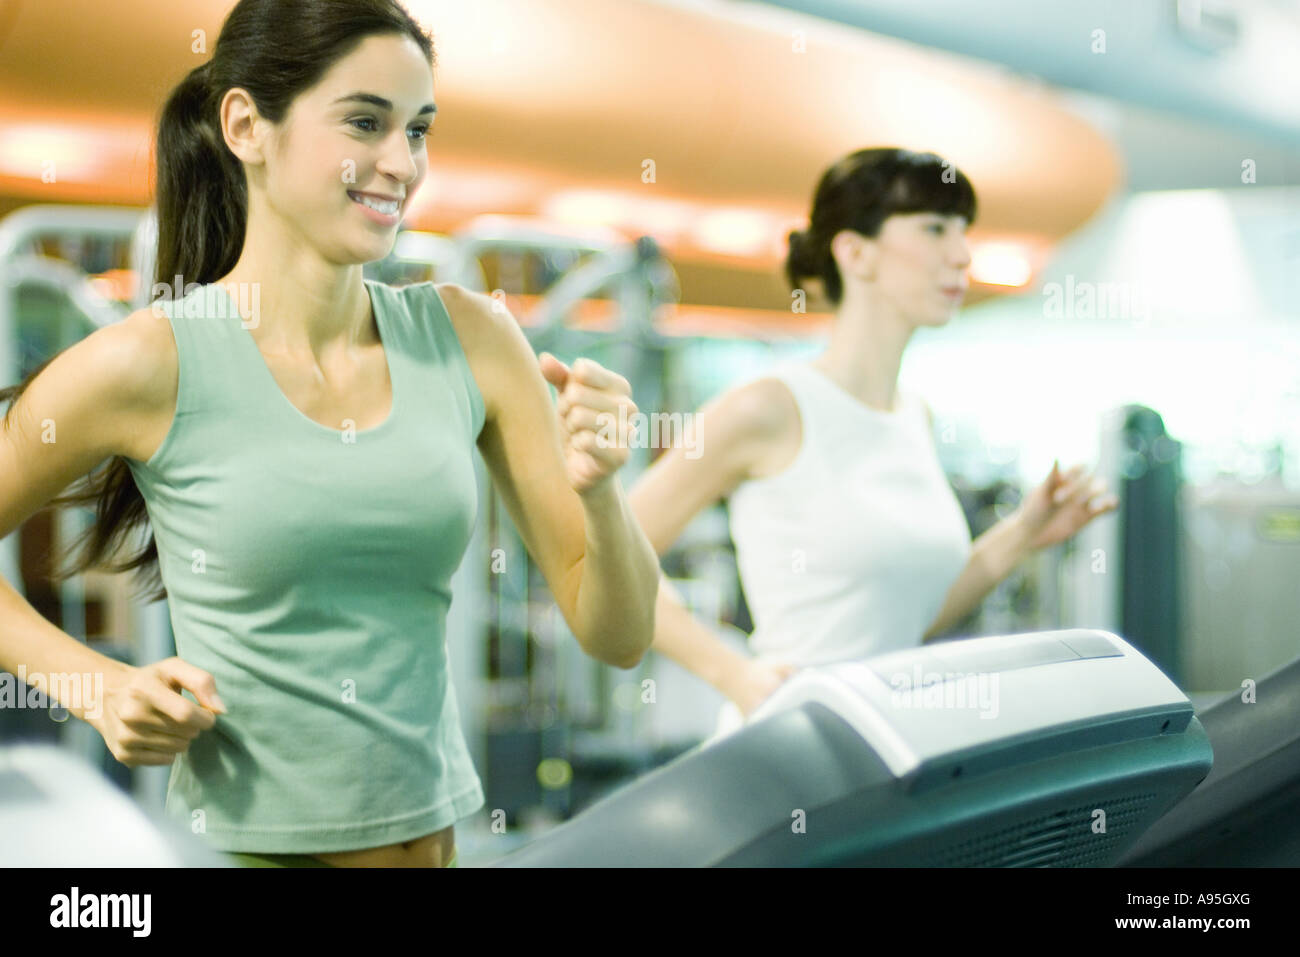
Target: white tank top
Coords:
[(849, 551)]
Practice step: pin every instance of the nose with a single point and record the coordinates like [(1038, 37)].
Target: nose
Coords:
[(960, 254), (398, 161)]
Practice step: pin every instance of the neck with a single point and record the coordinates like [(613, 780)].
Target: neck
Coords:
[(305, 306), (866, 349)]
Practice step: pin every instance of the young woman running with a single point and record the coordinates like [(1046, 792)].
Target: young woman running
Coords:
[(849, 539), (300, 443)]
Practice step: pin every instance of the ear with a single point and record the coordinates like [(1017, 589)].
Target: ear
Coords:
[(241, 126), (855, 254)]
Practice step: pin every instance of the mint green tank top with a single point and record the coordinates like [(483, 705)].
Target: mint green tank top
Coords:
[(308, 570)]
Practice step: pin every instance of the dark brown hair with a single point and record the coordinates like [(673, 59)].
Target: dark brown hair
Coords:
[(274, 49), (860, 192)]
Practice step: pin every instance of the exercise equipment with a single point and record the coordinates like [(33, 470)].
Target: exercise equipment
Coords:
[(57, 811), (1083, 723), (1151, 606), (1069, 745), (1247, 812)]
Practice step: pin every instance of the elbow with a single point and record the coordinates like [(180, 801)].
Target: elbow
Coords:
[(629, 659), (617, 657), (626, 649), (627, 664), (626, 633)]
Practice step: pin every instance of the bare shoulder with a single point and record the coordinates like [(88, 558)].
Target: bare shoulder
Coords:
[(147, 335), (116, 386), (495, 346), (766, 405), (134, 367), (470, 313), (148, 365), (757, 422)]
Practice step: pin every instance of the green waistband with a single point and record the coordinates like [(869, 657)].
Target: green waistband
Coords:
[(276, 860), (294, 860)]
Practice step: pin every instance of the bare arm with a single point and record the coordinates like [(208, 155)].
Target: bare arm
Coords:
[(993, 557), (683, 638), (81, 410), (595, 558), (730, 433)]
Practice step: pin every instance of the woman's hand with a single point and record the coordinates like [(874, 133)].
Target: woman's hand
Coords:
[(1062, 505), (755, 683), (595, 431), (145, 718)]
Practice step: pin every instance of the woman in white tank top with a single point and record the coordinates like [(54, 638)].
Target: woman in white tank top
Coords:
[(849, 539)]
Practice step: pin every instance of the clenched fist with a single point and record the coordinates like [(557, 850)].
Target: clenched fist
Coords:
[(146, 719), (595, 430)]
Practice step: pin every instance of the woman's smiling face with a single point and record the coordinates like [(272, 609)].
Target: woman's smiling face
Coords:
[(361, 129)]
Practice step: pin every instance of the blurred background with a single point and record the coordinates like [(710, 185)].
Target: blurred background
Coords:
[(623, 173)]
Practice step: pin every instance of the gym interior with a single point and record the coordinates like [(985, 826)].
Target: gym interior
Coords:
[(622, 177)]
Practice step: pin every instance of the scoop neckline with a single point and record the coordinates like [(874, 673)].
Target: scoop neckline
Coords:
[(895, 413), (385, 343)]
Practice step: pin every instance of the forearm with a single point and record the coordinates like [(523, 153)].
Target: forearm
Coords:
[(683, 638), (994, 555), (619, 576), (35, 651)]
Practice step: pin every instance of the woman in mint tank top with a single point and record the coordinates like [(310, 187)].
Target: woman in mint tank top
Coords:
[(849, 540), (310, 484)]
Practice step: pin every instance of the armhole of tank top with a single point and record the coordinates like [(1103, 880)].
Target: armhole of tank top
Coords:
[(791, 467), (915, 408), (183, 387), (448, 343)]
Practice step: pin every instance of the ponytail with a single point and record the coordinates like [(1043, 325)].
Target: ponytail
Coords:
[(202, 195)]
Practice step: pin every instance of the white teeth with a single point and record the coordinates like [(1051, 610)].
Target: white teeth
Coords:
[(388, 208)]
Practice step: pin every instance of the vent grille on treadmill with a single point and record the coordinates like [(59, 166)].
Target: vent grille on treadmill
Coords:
[(1060, 839)]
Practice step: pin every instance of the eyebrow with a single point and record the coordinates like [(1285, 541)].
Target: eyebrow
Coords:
[(380, 102)]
